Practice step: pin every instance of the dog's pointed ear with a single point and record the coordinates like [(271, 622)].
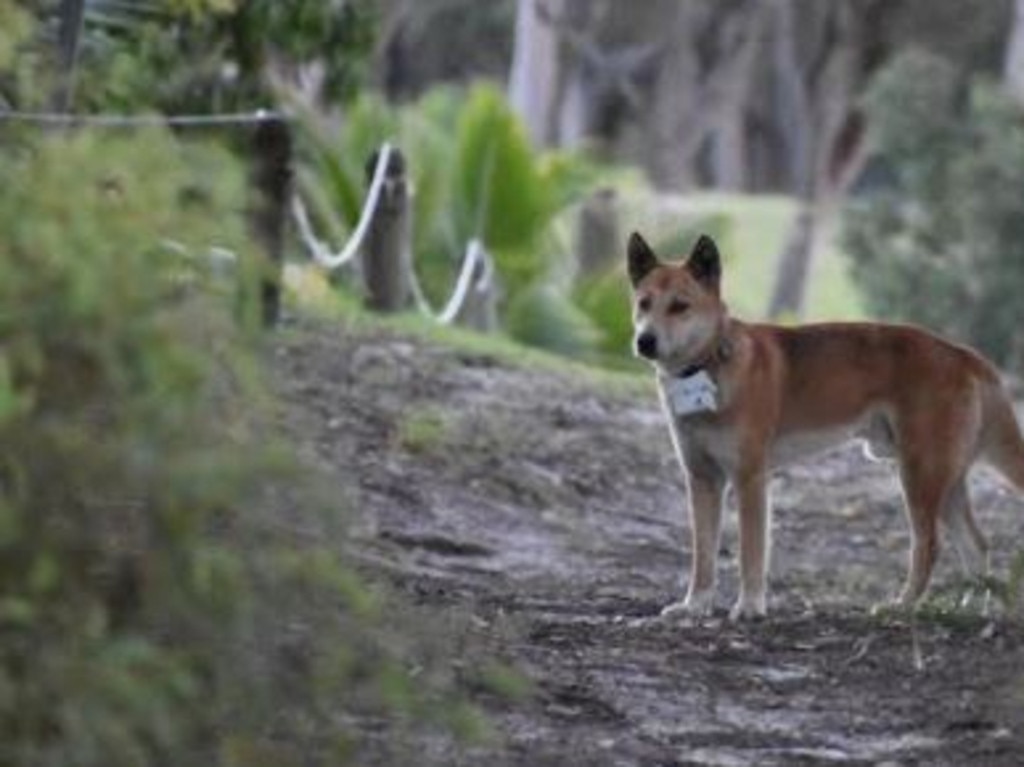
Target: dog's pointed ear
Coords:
[(705, 264), (640, 257)]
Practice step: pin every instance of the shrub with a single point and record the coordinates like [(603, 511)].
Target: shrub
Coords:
[(112, 449), (941, 240), (154, 610)]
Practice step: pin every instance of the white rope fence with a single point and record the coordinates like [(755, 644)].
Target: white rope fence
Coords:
[(475, 260), (319, 250), (476, 257)]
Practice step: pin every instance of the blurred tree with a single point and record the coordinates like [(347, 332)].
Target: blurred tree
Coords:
[(198, 55), (943, 242), (533, 79), (1013, 69), (71, 16), (420, 44)]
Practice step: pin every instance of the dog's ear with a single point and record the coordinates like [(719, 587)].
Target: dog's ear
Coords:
[(705, 264), (641, 258)]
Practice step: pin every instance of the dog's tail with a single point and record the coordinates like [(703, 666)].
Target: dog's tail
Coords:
[(1003, 444)]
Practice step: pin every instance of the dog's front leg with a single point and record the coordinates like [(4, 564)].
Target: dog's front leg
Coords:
[(705, 485), (752, 494)]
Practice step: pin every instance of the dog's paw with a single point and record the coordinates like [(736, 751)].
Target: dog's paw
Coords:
[(890, 608), (747, 608), (697, 604)]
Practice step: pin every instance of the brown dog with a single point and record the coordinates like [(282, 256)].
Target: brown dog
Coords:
[(743, 398)]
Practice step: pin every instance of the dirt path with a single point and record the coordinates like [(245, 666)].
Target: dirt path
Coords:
[(552, 512)]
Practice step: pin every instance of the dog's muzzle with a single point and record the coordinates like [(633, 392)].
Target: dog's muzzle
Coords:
[(647, 346)]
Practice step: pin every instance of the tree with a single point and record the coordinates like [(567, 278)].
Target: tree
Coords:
[(533, 77), (194, 55), (942, 241), (1013, 68), (818, 59), (72, 14)]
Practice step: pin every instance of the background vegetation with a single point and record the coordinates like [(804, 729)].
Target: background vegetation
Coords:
[(939, 239), (152, 608)]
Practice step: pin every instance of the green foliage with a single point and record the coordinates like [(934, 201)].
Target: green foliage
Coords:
[(541, 316), (152, 609), (605, 299), (423, 431), (500, 194), (110, 462), (200, 55), (475, 175), (15, 26), (943, 244)]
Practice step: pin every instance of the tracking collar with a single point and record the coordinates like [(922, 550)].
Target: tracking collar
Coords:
[(720, 354)]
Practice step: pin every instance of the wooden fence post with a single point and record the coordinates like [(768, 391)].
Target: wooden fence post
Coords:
[(598, 239), (387, 253), (272, 176), (480, 308)]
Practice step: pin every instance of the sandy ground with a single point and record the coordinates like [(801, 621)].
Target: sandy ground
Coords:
[(550, 510)]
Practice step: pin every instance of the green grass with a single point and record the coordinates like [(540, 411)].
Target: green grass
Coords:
[(343, 307), (424, 431)]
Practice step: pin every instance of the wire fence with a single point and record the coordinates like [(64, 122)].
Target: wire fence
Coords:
[(59, 119), (476, 272)]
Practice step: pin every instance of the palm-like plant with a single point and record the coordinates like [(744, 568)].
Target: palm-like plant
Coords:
[(475, 175)]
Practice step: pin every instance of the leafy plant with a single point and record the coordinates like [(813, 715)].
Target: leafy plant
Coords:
[(153, 609), (110, 464), (474, 174)]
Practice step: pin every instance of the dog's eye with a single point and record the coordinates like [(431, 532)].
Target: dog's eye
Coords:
[(644, 304), (677, 306)]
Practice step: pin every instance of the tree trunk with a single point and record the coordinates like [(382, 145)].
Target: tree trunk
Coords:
[(818, 58), (72, 13), (533, 78), (794, 265), (1013, 67)]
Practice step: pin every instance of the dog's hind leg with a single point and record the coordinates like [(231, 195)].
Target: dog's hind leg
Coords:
[(969, 542), (924, 500), (935, 448)]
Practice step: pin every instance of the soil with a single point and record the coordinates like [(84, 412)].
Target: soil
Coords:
[(547, 505)]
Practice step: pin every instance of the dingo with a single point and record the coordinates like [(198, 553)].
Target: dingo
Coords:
[(743, 398)]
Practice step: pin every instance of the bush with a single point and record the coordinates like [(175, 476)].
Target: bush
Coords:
[(153, 610), (112, 450), (941, 241)]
